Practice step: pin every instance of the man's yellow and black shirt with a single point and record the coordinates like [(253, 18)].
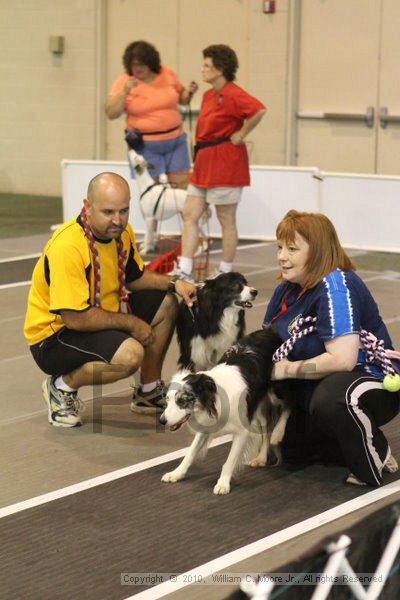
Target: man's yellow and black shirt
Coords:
[(63, 278)]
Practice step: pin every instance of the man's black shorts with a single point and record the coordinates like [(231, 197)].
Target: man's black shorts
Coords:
[(68, 349)]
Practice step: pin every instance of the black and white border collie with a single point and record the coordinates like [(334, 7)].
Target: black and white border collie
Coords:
[(229, 398), (215, 322)]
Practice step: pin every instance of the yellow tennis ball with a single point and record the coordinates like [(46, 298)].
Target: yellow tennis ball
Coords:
[(392, 384)]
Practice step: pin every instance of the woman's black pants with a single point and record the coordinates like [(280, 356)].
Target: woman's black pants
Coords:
[(346, 411)]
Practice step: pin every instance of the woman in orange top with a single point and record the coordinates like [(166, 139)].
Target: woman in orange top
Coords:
[(149, 94)]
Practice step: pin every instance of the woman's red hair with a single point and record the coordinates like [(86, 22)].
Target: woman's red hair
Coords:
[(325, 251)]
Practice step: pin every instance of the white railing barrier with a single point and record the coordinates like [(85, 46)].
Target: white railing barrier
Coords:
[(337, 566), (365, 209)]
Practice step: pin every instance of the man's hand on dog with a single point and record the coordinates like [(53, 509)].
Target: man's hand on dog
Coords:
[(186, 290)]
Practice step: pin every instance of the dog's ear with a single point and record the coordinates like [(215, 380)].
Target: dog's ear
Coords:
[(205, 391), (208, 287), (242, 278), (210, 297)]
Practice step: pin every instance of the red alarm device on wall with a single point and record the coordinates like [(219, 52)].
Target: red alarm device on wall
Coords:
[(269, 6)]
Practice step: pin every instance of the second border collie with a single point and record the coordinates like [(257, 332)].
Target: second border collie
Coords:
[(229, 398), (216, 321)]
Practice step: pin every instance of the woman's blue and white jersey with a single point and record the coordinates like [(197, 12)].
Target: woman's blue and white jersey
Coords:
[(342, 304)]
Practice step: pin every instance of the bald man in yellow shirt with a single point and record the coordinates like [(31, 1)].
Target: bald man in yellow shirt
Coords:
[(95, 313)]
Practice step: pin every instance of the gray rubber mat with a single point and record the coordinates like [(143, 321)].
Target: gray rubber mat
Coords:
[(78, 546)]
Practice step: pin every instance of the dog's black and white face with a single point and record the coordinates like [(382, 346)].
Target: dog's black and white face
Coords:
[(216, 322), (189, 393), (230, 289)]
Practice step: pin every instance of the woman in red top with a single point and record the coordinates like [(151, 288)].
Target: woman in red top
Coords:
[(221, 166)]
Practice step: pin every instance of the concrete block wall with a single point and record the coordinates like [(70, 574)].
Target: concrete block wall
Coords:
[(268, 79), (47, 101)]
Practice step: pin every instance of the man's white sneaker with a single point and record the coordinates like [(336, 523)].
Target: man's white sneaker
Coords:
[(149, 402), (63, 408)]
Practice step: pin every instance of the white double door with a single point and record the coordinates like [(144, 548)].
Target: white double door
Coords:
[(349, 86)]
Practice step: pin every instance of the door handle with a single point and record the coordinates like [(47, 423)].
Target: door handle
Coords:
[(368, 117), (385, 118)]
